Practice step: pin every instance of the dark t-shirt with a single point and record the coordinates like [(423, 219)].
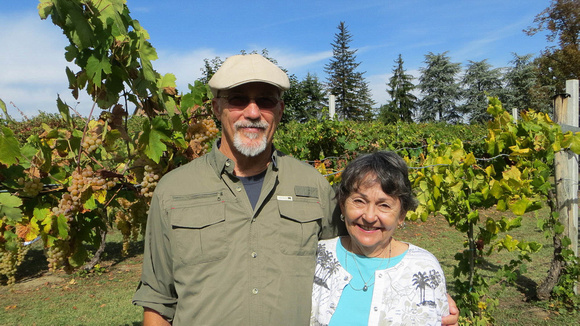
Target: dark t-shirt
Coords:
[(253, 186)]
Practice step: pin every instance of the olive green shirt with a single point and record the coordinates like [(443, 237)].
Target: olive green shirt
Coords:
[(210, 259)]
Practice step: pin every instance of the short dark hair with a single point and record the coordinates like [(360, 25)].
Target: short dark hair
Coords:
[(387, 169)]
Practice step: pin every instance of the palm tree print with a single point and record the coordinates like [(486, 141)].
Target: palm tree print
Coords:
[(423, 280)]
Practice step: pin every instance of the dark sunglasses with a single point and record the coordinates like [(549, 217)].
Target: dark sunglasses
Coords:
[(242, 101)]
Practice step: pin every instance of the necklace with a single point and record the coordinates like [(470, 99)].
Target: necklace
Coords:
[(367, 285)]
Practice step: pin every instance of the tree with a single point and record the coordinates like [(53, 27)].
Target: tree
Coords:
[(479, 82), (439, 89), (522, 89), (562, 21), (353, 98), (403, 102), (304, 100)]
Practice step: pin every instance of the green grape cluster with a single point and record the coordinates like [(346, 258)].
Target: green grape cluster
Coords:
[(91, 142), (150, 179), (10, 260), (81, 181), (200, 134), (130, 219), (57, 255), (31, 187)]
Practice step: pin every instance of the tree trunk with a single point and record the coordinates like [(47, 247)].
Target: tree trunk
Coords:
[(545, 288), (97, 257)]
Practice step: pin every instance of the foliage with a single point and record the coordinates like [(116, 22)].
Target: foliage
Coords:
[(454, 183), (479, 82), (402, 103), (305, 100), (353, 98), (522, 88), (34, 126), (71, 182), (439, 89), (559, 63)]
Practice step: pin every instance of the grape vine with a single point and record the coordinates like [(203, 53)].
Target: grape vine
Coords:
[(71, 183)]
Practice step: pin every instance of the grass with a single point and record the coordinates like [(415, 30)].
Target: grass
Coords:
[(518, 304), (103, 297)]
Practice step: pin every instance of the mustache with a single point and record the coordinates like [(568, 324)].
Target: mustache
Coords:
[(251, 124)]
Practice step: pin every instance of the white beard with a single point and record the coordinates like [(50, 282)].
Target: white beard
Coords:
[(250, 149)]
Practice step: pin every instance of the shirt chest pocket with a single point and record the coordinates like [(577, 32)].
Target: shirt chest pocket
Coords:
[(300, 224), (199, 230)]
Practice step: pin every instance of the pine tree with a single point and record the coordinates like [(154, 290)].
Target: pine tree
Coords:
[(522, 87), (403, 102), (479, 82), (353, 98), (439, 88), (304, 100)]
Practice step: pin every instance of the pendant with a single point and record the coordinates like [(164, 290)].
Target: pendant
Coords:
[(365, 288)]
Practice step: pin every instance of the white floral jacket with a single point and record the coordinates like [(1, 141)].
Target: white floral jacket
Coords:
[(412, 292)]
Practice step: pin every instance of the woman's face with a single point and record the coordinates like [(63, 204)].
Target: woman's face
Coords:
[(371, 217)]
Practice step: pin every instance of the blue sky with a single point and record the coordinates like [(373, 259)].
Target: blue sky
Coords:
[(298, 34)]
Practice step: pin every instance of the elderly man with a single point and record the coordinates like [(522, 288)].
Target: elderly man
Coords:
[(231, 236)]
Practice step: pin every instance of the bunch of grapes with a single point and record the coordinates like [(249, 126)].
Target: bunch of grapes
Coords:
[(150, 179), (10, 260), (130, 219), (200, 134), (57, 255), (91, 141), (124, 223), (32, 187), (66, 206)]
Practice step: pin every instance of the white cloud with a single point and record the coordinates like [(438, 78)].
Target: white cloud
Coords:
[(33, 65)]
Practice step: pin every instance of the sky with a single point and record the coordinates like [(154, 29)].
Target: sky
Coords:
[(298, 34)]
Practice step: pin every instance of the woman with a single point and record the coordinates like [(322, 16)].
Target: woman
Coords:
[(368, 277)]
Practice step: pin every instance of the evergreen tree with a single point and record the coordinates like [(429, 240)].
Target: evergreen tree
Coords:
[(522, 86), (353, 98), (479, 82), (304, 100), (402, 102), (439, 88)]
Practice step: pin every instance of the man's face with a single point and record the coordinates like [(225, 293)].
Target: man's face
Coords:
[(249, 115)]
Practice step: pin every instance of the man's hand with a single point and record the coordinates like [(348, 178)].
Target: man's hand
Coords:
[(453, 318), (153, 318)]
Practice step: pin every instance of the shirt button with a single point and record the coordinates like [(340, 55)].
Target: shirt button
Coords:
[(332, 305), (239, 189), (255, 291), (228, 163), (254, 254), (380, 275), (376, 308), (346, 278)]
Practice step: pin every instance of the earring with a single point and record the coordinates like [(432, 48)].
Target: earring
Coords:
[(342, 217), (402, 225)]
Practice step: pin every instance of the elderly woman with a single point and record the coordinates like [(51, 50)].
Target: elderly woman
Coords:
[(368, 277)]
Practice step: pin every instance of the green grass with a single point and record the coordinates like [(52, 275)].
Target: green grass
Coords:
[(104, 298), (97, 298), (518, 304)]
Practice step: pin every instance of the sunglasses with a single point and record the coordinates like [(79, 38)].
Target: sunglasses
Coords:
[(242, 101)]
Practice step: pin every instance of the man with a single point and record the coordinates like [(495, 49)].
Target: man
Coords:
[(231, 236)]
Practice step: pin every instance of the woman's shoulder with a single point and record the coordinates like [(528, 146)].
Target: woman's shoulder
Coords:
[(417, 253)]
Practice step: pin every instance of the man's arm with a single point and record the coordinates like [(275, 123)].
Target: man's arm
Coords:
[(453, 318), (153, 318)]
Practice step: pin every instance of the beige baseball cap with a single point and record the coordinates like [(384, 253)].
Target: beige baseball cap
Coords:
[(247, 68)]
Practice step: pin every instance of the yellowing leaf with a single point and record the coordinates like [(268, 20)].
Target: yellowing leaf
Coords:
[(100, 196), (519, 206)]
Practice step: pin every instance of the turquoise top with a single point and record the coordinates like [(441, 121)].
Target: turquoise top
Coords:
[(355, 303)]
